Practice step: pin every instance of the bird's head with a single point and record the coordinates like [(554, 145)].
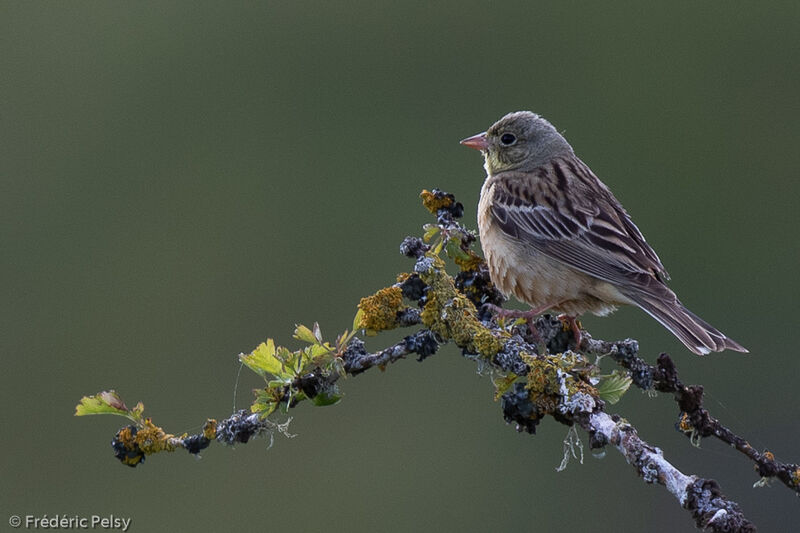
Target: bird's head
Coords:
[(519, 141)]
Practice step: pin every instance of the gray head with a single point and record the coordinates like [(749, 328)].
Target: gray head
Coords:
[(519, 141)]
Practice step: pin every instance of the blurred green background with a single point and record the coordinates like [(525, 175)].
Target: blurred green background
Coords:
[(182, 180)]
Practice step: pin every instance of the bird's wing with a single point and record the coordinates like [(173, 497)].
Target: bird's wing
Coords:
[(565, 212)]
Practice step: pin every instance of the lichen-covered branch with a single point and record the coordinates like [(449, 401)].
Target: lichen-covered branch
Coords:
[(694, 420), (537, 368), (702, 497)]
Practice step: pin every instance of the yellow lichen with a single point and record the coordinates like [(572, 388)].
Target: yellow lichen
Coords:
[(380, 310), (126, 437), (684, 424), (210, 429), (552, 376), (451, 315), (542, 382), (469, 263), (432, 203), (153, 439), (485, 343)]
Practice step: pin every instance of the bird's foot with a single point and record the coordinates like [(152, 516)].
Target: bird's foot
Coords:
[(529, 316)]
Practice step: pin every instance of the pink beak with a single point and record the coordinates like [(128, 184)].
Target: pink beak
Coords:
[(477, 142)]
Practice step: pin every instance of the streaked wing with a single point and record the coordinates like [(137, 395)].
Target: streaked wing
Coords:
[(565, 212)]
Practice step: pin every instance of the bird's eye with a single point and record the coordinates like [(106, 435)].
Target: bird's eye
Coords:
[(507, 139)]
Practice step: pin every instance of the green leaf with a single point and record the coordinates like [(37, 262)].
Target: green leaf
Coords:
[(337, 366), (327, 397), (263, 361), (317, 332), (304, 334), (318, 350), (109, 403), (454, 251), (103, 403), (293, 362), (137, 411), (503, 383), (358, 319), (430, 231), (613, 387), (437, 248), (295, 396), (265, 403)]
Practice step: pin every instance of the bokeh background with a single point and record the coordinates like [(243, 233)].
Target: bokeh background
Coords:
[(180, 180)]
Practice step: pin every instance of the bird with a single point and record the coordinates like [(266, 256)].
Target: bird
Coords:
[(556, 238)]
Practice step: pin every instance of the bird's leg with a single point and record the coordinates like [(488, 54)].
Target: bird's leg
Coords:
[(515, 313), (572, 322)]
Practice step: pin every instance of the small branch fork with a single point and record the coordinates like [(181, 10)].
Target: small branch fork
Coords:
[(694, 421)]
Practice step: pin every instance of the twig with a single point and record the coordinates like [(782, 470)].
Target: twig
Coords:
[(694, 420)]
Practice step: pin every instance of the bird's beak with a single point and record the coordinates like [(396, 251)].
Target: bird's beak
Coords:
[(476, 141)]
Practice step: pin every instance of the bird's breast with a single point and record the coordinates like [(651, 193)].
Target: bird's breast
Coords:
[(518, 268)]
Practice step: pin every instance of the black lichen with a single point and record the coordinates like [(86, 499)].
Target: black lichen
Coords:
[(518, 408), (423, 343)]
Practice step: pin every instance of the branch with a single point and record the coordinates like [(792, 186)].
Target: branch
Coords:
[(702, 497), (537, 371), (694, 420)]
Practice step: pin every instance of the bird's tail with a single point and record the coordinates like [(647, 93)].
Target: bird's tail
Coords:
[(697, 334)]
